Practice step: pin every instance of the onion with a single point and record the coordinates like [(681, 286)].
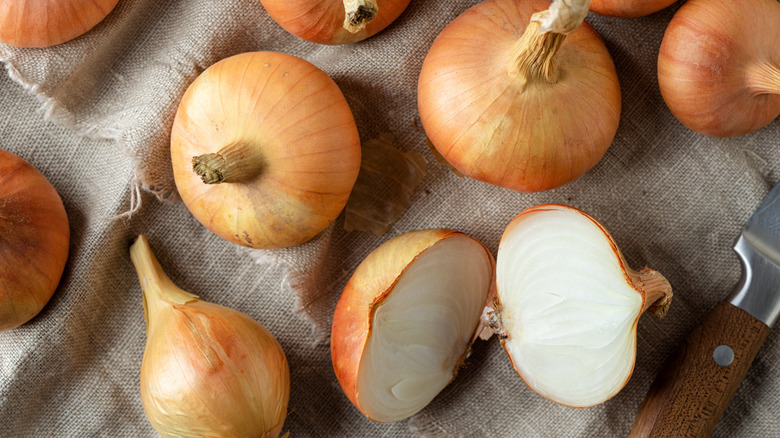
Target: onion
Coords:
[(43, 23), (406, 319), (628, 8), (265, 150), (719, 65), (567, 305), (334, 21), (527, 111), (207, 370), (34, 240)]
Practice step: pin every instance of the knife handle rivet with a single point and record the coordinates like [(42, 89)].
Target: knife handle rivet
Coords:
[(723, 355)]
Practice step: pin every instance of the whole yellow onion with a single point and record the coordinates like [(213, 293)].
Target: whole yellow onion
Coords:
[(265, 150), (519, 94), (44, 23), (208, 370)]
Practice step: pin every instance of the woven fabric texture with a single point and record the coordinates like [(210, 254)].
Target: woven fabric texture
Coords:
[(94, 115)]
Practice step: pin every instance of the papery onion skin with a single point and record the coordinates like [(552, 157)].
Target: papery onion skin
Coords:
[(718, 66), (654, 289), (371, 283), (628, 8), (34, 241), (493, 126), (207, 370), (44, 23), (321, 21), (294, 122)]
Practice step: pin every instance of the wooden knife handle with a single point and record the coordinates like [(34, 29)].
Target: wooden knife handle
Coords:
[(692, 390)]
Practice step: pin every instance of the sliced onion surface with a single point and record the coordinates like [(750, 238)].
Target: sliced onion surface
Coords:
[(419, 330), (568, 306)]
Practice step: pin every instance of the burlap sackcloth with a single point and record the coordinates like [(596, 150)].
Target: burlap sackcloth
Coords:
[(673, 199)]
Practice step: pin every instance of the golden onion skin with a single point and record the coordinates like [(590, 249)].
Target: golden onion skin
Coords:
[(34, 241), (212, 371), (321, 21), (44, 23), (207, 370), (492, 125), (295, 120), (719, 66), (628, 8)]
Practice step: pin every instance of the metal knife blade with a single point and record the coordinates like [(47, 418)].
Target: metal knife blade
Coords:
[(758, 246), (693, 389)]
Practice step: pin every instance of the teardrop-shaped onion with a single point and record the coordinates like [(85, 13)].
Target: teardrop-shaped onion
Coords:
[(515, 107), (208, 370), (34, 240), (568, 305), (628, 8), (407, 318), (265, 150), (43, 23), (323, 21), (719, 65)]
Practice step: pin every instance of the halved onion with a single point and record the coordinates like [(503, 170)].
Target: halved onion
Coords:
[(407, 318), (567, 305)]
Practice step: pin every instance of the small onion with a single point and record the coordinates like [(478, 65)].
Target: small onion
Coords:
[(207, 371), (34, 240), (628, 8), (334, 21), (44, 23), (567, 305), (265, 150), (719, 65), (407, 318), (518, 96)]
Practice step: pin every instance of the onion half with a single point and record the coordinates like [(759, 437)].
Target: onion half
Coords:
[(407, 318), (567, 305)]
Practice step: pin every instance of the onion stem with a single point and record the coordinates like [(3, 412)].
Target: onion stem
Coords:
[(235, 162), (358, 13), (156, 286), (532, 55), (764, 78), (656, 290)]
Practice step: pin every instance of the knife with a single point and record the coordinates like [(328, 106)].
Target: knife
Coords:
[(693, 389)]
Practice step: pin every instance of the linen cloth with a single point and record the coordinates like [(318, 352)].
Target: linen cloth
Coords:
[(99, 129)]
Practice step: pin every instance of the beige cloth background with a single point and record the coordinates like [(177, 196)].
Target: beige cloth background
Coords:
[(674, 200)]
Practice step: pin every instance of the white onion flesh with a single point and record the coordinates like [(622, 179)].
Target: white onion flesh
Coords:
[(568, 308), (422, 329)]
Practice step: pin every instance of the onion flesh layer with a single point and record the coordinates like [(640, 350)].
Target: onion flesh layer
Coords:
[(423, 328), (568, 309)]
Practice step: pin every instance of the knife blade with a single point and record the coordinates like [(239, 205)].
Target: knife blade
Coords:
[(694, 388)]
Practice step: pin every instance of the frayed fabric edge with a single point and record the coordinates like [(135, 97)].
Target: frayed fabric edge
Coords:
[(56, 113)]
